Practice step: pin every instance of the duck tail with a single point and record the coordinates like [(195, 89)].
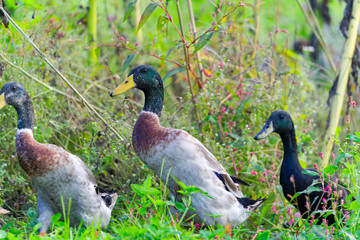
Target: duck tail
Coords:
[(251, 204), (108, 197)]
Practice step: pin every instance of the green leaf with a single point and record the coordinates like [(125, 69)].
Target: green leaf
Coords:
[(353, 138), (129, 10), (162, 20), (127, 61), (159, 202), (147, 182), (310, 172), (170, 203), (142, 210), (55, 218), (264, 235), (15, 231), (203, 41), (180, 206), (31, 213), (330, 169), (146, 14), (169, 74), (7, 225)]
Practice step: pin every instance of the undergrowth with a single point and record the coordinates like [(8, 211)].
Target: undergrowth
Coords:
[(249, 71)]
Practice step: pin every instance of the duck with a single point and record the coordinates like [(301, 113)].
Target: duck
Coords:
[(58, 175), (331, 194), (172, 151)]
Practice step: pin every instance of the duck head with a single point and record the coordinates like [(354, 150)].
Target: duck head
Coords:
[(13, 94), (148, 80), (279, 122), (143, 77)]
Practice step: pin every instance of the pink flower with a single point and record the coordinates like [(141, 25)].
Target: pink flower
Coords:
[(214, 23), (223, 109), (325, 222), (284, 30), (254, 173), (276, 30), (332, 229), (213, 14), (281, 217), (221, 65), (316, 167), (289, 211), (273, 208), (261, 179), (251, 154), (291, 221), (241, 4), (332, 155), (264, 174), (297, 214), (111, 18), (321, 155), (324, 200)]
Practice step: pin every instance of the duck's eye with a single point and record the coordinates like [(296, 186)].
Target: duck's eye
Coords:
[(145, 70), (13, 88), (281, 116)]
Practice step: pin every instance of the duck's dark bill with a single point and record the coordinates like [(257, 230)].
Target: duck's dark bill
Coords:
[(123, 87), (2, 100), (267, 129)]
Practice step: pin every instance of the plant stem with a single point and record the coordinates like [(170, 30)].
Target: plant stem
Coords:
[(257, 22), (92, 31), (86, 103), (187, 60), (317, 31), (138, 17), (197, 54), (339, 96)]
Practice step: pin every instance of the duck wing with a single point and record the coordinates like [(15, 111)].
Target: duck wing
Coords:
[(89, 176), (230, 182)]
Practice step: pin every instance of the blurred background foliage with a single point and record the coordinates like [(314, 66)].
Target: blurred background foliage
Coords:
[(261, 57)]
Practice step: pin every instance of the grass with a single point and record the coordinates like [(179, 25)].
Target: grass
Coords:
[(244, 85)]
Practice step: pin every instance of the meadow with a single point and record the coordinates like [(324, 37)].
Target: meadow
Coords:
[(241, 63)]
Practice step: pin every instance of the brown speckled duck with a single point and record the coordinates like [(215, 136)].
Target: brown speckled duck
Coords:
[(56, 173), (174, 151)]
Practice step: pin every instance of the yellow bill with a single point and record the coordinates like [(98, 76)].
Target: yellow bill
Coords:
[(267, 129), (123, 87), (2, 100)]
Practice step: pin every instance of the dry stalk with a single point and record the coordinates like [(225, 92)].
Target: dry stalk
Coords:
[(339, 96)]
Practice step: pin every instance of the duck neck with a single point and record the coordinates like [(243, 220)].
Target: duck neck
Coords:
[(154, 100), (25, 114), (291, 159)]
